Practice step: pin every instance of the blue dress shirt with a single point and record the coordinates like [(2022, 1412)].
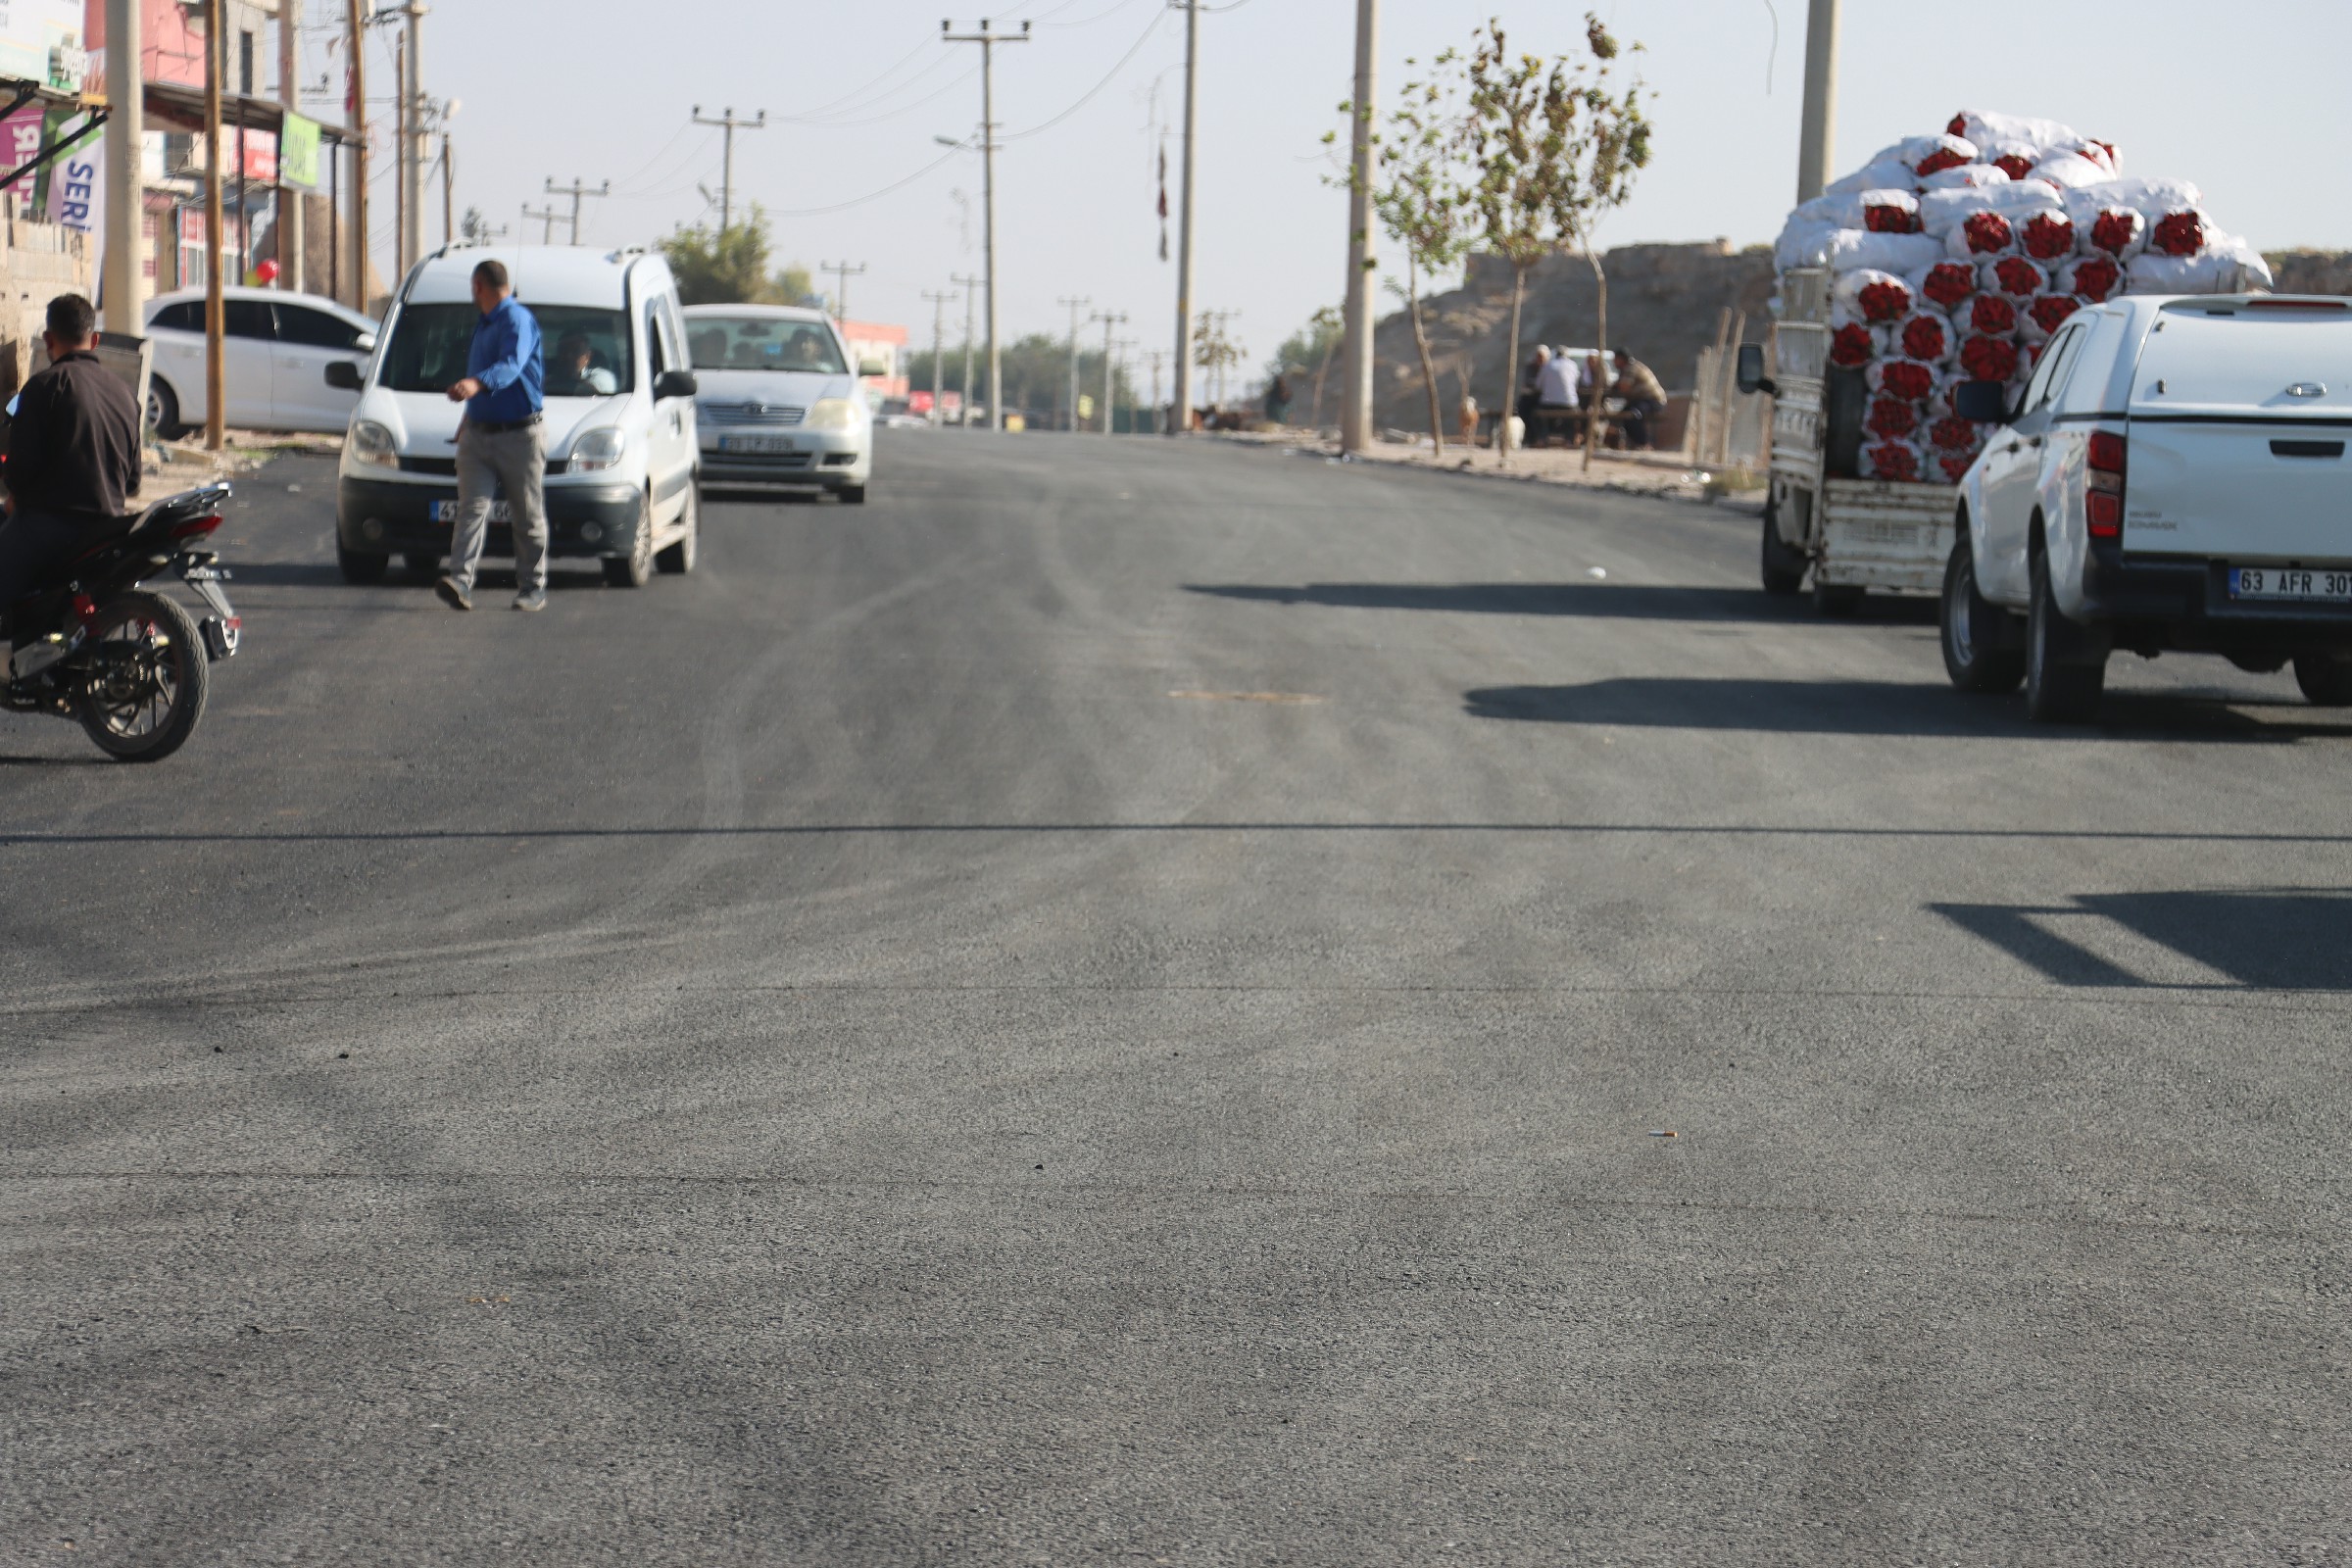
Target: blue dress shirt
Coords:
[(505, 359)]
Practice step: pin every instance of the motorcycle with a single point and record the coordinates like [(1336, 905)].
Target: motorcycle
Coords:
[(129, 663)]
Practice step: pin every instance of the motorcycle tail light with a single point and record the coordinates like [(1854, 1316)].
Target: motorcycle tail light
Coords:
[(192, 526), (85, 609)]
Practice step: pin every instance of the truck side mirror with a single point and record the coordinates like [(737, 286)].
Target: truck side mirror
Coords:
[(1981, 402), (343, 376), (1751, 375), (675, 384)]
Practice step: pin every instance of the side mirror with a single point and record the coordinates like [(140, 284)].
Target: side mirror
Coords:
[(675, 384), (1751, 375), (364, 343), (1981, 402), (873, 366), (344, 377)]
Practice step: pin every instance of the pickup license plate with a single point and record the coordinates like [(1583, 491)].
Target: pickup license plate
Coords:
[(2290, 582), (500, 511), (754, 443)]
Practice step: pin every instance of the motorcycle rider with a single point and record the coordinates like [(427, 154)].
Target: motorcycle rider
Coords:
[(72, 455)]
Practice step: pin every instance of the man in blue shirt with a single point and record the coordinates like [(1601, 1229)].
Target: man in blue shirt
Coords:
[(500, 444)]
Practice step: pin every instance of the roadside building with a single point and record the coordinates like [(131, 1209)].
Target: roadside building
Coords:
[(878, 344)]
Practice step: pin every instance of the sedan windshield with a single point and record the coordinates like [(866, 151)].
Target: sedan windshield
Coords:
[(762, 343), (585, 351)]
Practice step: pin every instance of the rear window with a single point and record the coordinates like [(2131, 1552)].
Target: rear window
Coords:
[(430, 344), (186, 317), (2266, 361)]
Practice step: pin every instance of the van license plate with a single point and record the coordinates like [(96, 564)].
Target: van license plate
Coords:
[(500, 511), (754, 443), (2289, 582)]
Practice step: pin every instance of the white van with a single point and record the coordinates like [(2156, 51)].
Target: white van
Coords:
[(620, 433)]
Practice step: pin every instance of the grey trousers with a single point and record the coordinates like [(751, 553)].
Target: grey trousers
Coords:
[(487, 461)]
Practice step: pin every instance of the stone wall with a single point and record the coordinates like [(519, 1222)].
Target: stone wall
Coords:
[(37, 263)]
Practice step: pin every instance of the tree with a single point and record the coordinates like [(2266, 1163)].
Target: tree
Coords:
[(1603, 149), (1213, 350), (1316, 341), (1424, 198), (729, 265)]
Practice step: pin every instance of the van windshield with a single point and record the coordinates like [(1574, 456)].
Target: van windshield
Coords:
[(585, 350), (762, 343)]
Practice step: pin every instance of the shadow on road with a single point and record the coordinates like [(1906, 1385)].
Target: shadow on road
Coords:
[(1873, 708), (2296, 938), (1601, 600)]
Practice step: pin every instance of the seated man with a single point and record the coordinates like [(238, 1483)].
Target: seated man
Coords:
[(73, 454), (807, 351), (574, 373), (1645, 399), (1556, 398)]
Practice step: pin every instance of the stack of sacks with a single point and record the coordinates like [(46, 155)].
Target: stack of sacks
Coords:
[(1957, 256)]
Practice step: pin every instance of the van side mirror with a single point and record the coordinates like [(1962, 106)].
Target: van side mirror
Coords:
[(364, 343), (1981, 402), (675, 384), (1751, 375), (343, 376), (870, 366)]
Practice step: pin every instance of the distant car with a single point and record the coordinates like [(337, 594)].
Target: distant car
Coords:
[(780, 404), (277, 349)]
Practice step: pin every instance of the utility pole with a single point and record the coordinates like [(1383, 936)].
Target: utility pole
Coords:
[(449, 178), (988, 40), (1180, 413), (355, 41), (729, 124), (400, 162), (843, 272), (126, 279), (215, 310), (1108, 322), (938, 305), (1157, 357), (971, 296), (1817, 145), (575, 190), (290, 257), (412, 150), (1075, 307), (1122, 348), (1355, 372), (547, 216)]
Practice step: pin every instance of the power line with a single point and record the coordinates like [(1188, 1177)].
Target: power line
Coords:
[(1132, 51)]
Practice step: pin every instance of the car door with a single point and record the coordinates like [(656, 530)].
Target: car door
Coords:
[(309, 341), (2012, 475), (176, 330), (246, 348), (670, 442)]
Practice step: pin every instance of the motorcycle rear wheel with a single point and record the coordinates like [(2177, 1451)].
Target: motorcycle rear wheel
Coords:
[(144, 676)]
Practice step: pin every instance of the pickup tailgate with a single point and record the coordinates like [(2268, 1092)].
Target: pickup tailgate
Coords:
[(2239, 419)]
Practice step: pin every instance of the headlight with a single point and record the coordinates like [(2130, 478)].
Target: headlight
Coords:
[(370, 443), (833, 413), (600, 449)]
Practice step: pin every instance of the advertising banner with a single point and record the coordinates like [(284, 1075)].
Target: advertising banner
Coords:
[(40, 40), (298, 157)]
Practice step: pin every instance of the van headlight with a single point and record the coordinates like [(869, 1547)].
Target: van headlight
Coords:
[(371, 444), (600, 449), (833, 413)]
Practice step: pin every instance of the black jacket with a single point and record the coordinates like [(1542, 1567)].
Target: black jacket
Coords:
[(73, 450)]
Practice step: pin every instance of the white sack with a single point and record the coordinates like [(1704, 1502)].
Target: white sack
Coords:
[(1851, 250), (1869, 295), (1803, 244), (1941, 211), (1965, 176), (1890, 173), (2044, 136), (2151, 198), (2072, 171)]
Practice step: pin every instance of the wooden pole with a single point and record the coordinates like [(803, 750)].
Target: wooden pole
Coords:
[(215, 310), (358, 40)]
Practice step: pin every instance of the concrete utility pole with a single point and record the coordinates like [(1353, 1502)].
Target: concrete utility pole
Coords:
[(1817, 147), (1355, 366), (1122, 348), (938, 305), (1075, 307), (1180, 413), (449, 179), (356, 40), (1158, 357), (125, 126), (412, 150), (546, 217), (290, 257), (575, 190), (729, 124), (971, 296), (988, 41), (844, 272), (215, 310), (1108, 322)]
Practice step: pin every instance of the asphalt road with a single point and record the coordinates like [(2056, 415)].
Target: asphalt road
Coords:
[(1118, 1004)]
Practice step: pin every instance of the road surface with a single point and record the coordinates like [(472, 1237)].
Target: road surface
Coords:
[(1169, 1004)]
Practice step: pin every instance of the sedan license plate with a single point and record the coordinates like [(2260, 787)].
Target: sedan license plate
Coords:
[(2290, 582), (754, 443), (447, 512)]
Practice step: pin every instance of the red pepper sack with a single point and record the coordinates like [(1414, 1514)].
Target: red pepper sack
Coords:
[(1947, 285), (2047, 236), (1954, 466), (1953, 433), (2044, 315), (1904, 380), (1872, 296), (1891, 418), (2015, 277), (1927, 337), (1990, 358), (2177, 234), (1852, 346), (1897, 460), (1989, 316), (2092, 280), (2120, 232), (1982, 234), (1891, 212)]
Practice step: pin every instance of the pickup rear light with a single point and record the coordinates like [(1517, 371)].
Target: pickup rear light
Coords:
[(2103, 506), (2292, 302)]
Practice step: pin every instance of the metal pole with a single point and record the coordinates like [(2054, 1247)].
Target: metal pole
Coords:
[(1075, 307), (357, 41), (1180, 413), (412, 144), (290, 257), (729, 125), (125, 279), (1817, 146), (1355, 373), (971, 299), (988, 40), (1108, 322), (215, 310)]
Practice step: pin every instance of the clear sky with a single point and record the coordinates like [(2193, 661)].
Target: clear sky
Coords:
[(2247, 100)]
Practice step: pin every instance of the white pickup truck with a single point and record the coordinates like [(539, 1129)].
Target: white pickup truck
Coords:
[(2173, 479)]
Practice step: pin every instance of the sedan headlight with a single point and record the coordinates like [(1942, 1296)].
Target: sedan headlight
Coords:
[(600, 449), (832, 414), (371, 444)]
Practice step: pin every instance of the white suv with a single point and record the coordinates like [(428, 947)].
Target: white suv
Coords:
[(2173, 479), (618, 415)]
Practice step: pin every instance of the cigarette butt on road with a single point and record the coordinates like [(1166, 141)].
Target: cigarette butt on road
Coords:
[(1660, 1132)]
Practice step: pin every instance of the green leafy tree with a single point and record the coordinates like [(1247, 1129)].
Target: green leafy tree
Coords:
[(1314, 343), (1424, 197), (730, 265), (1604, 149)]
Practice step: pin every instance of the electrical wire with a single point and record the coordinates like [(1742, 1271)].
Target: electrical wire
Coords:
[(933, 96), (859, 103), (860, 201), (1132, 51)]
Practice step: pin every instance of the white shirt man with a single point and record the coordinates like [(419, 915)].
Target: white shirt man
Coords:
[(1555, 388)]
